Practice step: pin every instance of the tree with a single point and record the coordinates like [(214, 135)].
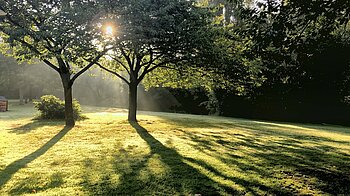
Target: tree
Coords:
[(227, 12), (10, 75), (63, 34), (152, 34), (303, 47), (27, 80)]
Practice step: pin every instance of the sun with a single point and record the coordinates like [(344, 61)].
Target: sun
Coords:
[(109, 30)]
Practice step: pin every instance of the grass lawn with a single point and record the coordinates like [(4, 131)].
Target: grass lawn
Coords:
[(169, 154)]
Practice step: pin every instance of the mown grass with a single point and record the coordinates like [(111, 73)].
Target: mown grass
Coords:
[(169, 154)]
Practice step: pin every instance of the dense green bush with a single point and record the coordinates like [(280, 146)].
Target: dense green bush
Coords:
[(51, 107)]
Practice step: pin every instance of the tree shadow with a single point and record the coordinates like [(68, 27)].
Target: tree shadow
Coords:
[(272, 130), (299, 162), (261, 161), (33, 125), (36, 183), (261, 128), (174, 174), (11, 169), (290, 153), (183, 173)]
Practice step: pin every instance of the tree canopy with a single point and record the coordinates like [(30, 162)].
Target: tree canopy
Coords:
[(63, 34), (303, 49), (151, 34)]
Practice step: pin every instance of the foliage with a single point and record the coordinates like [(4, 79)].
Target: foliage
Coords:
[(228, 68), (192, 100), (290, 36), (301, 49), (65, 35), (51, 107), (52, 31), (294, 31), (155, 34), (152, 35)]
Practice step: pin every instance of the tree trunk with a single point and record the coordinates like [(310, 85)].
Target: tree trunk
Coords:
[(21, 99), (132, 102), (68, 100)]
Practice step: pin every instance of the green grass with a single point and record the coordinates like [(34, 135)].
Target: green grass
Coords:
[(169, 154)]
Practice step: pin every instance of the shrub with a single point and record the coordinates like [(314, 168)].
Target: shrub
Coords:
[(51, 107)]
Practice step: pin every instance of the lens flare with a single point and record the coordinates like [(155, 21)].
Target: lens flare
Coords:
[(109, 30)]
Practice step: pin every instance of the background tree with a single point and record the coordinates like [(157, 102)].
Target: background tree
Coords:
[(151, 34), (225, 71), (9, 70), (304, 49), (34, 79), (60, 33)]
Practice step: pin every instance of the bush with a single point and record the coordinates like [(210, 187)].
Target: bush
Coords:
[(51, 107)]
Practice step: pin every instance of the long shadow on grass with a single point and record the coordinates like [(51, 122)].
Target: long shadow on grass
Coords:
[(10, 170), (299, 162), (186, 179), (261, 128), (33, 183), (137, 177), (33, 125)]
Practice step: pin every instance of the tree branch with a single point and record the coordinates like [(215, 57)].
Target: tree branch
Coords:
[(146, 71), (86, 67), (113, 72), (127, 59), (94, 61), (152, 59), (39, 53), (304, 28), (138, 64), (51, 65), (120, 63)]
